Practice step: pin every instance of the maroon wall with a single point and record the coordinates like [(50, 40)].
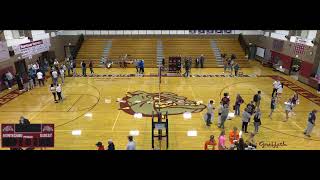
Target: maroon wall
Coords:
[(306, 69), (286, 60)]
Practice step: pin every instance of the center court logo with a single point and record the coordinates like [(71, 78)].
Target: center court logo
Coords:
[(272, 144), (144, 103)]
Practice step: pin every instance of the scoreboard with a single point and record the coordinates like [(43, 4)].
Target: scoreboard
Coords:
[(23, 136)]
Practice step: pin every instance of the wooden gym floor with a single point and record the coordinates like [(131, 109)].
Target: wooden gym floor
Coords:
[(99, 95)]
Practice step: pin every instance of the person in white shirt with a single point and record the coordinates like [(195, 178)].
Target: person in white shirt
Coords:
[(209, 115), (276, 84), (54, 77), (279, 91), (288, 108), (131, 144), (62, 74), (59, 91), (40, 78)]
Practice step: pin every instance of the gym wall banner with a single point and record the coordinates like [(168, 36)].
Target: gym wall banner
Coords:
[(32, 48), (4, 51)]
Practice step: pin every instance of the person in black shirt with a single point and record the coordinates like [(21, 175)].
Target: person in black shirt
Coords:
[(201, 60), (91, 67), (311, 123), (111, 145), (24, 121), (84, 68)]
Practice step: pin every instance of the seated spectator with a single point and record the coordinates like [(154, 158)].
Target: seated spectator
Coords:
[(100, 146), (241, 145), (111, 145), (24, 121)]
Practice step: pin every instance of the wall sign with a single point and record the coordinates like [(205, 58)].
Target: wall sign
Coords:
[(32, 48)]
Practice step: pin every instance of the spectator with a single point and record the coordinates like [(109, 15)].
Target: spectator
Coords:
[(279, 91), (251, 142), (276, 85), (201, 60), (295, 101), (318, 81), (236, 68), (222, 140), (197, 62), (9, 78), (210, 144), (100, 146), (237, 105), (5, 80), (40, 78), (111, 145), (257, 99), (219, 113), (136, 63), (241, 145), (62, 74), (257, 120), (273, 106), (24, 121), (224, 115), (131, 144), (54, 75), (234, 135), (59, 92), (91, 67), (225, 99), (84, 68), (311, 123), (74, 70), (19, 81), (245, 120), (210, 109), (251, 108), (69, 67), (54, 92), (225, 65)]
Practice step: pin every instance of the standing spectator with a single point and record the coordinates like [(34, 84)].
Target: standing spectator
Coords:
[(279, 91), (295, 101), (257, 99), (276, 85), (311, 123), (59, 92), (257, 120), (9, 78), (69, 67), (56, 63), (40, 78), (210, 144), (54, 92), (91, 67), (222, 140), (225, 99), (210, 109), (141, 66), (288, 108), (219, 113), (74, 70), (251, 108), (234, 135), (238, 102), (62, 74), (84, 68), (31, 84), (273, 106), (236, 68), (197, 62), (245, 120), (19, 81), (136, 63), (111, 145), (201, 60), (64, 67), (225, 65), (54, 75), (131, 144), (100, 146), (163, 62), (224, 115)]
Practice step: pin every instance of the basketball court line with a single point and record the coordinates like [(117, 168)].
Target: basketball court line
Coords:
[(116, 120)]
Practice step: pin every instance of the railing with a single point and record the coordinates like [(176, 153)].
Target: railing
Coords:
[(74, 53)]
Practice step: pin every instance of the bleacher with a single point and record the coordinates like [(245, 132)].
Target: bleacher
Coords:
[(230, 46), (91, 49), (136, 48), (190, 47), (146, 48)]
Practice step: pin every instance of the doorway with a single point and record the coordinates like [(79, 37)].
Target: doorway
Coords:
[(68, 51), (21, 68)]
